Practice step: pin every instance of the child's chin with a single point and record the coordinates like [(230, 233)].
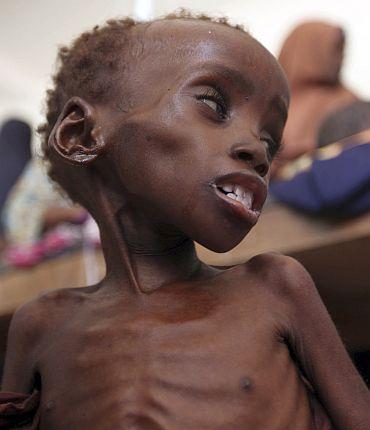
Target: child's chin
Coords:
[(222, 246)]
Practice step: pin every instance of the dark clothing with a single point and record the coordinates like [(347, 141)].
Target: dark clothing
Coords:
[(15, 151), (338, 186)]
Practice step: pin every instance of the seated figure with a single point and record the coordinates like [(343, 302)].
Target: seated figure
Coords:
[(311, 57), (165, 132)]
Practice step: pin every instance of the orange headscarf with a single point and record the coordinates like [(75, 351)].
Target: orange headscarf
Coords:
[(311, 57)]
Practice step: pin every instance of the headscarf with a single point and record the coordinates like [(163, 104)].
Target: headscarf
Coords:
[(311, 57)]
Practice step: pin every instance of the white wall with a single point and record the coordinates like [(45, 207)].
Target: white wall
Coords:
[(30, 33), (31, 30), (271, 20)]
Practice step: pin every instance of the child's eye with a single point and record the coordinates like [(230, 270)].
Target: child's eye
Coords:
[(212, 104), (212, 98), (272, 147)]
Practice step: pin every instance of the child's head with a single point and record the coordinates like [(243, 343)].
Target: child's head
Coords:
[(168, 117)]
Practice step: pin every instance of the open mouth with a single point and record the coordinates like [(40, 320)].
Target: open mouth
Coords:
[(238, 193), (243, 193)]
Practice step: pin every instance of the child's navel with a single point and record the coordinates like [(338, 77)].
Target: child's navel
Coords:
[(246, 383)]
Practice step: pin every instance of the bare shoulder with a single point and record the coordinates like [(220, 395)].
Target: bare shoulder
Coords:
[(35, 317), (282, 275), (31, 327)]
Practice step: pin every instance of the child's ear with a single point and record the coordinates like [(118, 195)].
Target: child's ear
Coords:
[(76, 137)]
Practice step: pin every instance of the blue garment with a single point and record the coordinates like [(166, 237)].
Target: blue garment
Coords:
[(334, 186)]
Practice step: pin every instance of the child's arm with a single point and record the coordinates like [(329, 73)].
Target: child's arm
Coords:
[(23, 336), (321, 353)]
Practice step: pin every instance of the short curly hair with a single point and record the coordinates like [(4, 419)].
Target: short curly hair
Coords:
[(89, 66)]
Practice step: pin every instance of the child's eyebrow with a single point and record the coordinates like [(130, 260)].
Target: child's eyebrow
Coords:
[(245, 84), (235, 77), (228, 74), (280, 105)]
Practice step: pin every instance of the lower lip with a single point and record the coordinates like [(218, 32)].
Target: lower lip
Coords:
[(248, 215)]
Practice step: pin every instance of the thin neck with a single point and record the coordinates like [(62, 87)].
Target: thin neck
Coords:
[(142, 257)]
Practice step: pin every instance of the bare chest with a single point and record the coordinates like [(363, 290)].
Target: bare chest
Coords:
[(152, 373)]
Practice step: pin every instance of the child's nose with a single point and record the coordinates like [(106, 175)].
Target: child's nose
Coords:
[(252, 153)]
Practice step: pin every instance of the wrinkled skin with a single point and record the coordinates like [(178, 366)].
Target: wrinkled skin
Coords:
[(164, 341)]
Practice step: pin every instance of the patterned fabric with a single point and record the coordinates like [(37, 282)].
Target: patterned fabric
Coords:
[(23, 211), (337, 185), (23, 218)]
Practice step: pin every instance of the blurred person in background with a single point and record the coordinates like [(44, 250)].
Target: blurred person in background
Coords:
[(311, 57), (34, 206), (15, 151), (39, 221), (335, 179)]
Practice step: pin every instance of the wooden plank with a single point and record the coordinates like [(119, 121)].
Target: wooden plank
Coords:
[(341, 272), (20, 286)]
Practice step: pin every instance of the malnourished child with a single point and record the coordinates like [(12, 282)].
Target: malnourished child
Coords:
[(165, 131)]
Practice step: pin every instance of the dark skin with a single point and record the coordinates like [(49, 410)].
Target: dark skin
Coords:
[(165, 341)]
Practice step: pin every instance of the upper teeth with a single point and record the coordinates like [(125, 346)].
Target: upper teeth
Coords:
[(238, 193)]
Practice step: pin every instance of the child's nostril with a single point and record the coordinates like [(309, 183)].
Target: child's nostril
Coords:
[(262, 169), (245, 156)]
